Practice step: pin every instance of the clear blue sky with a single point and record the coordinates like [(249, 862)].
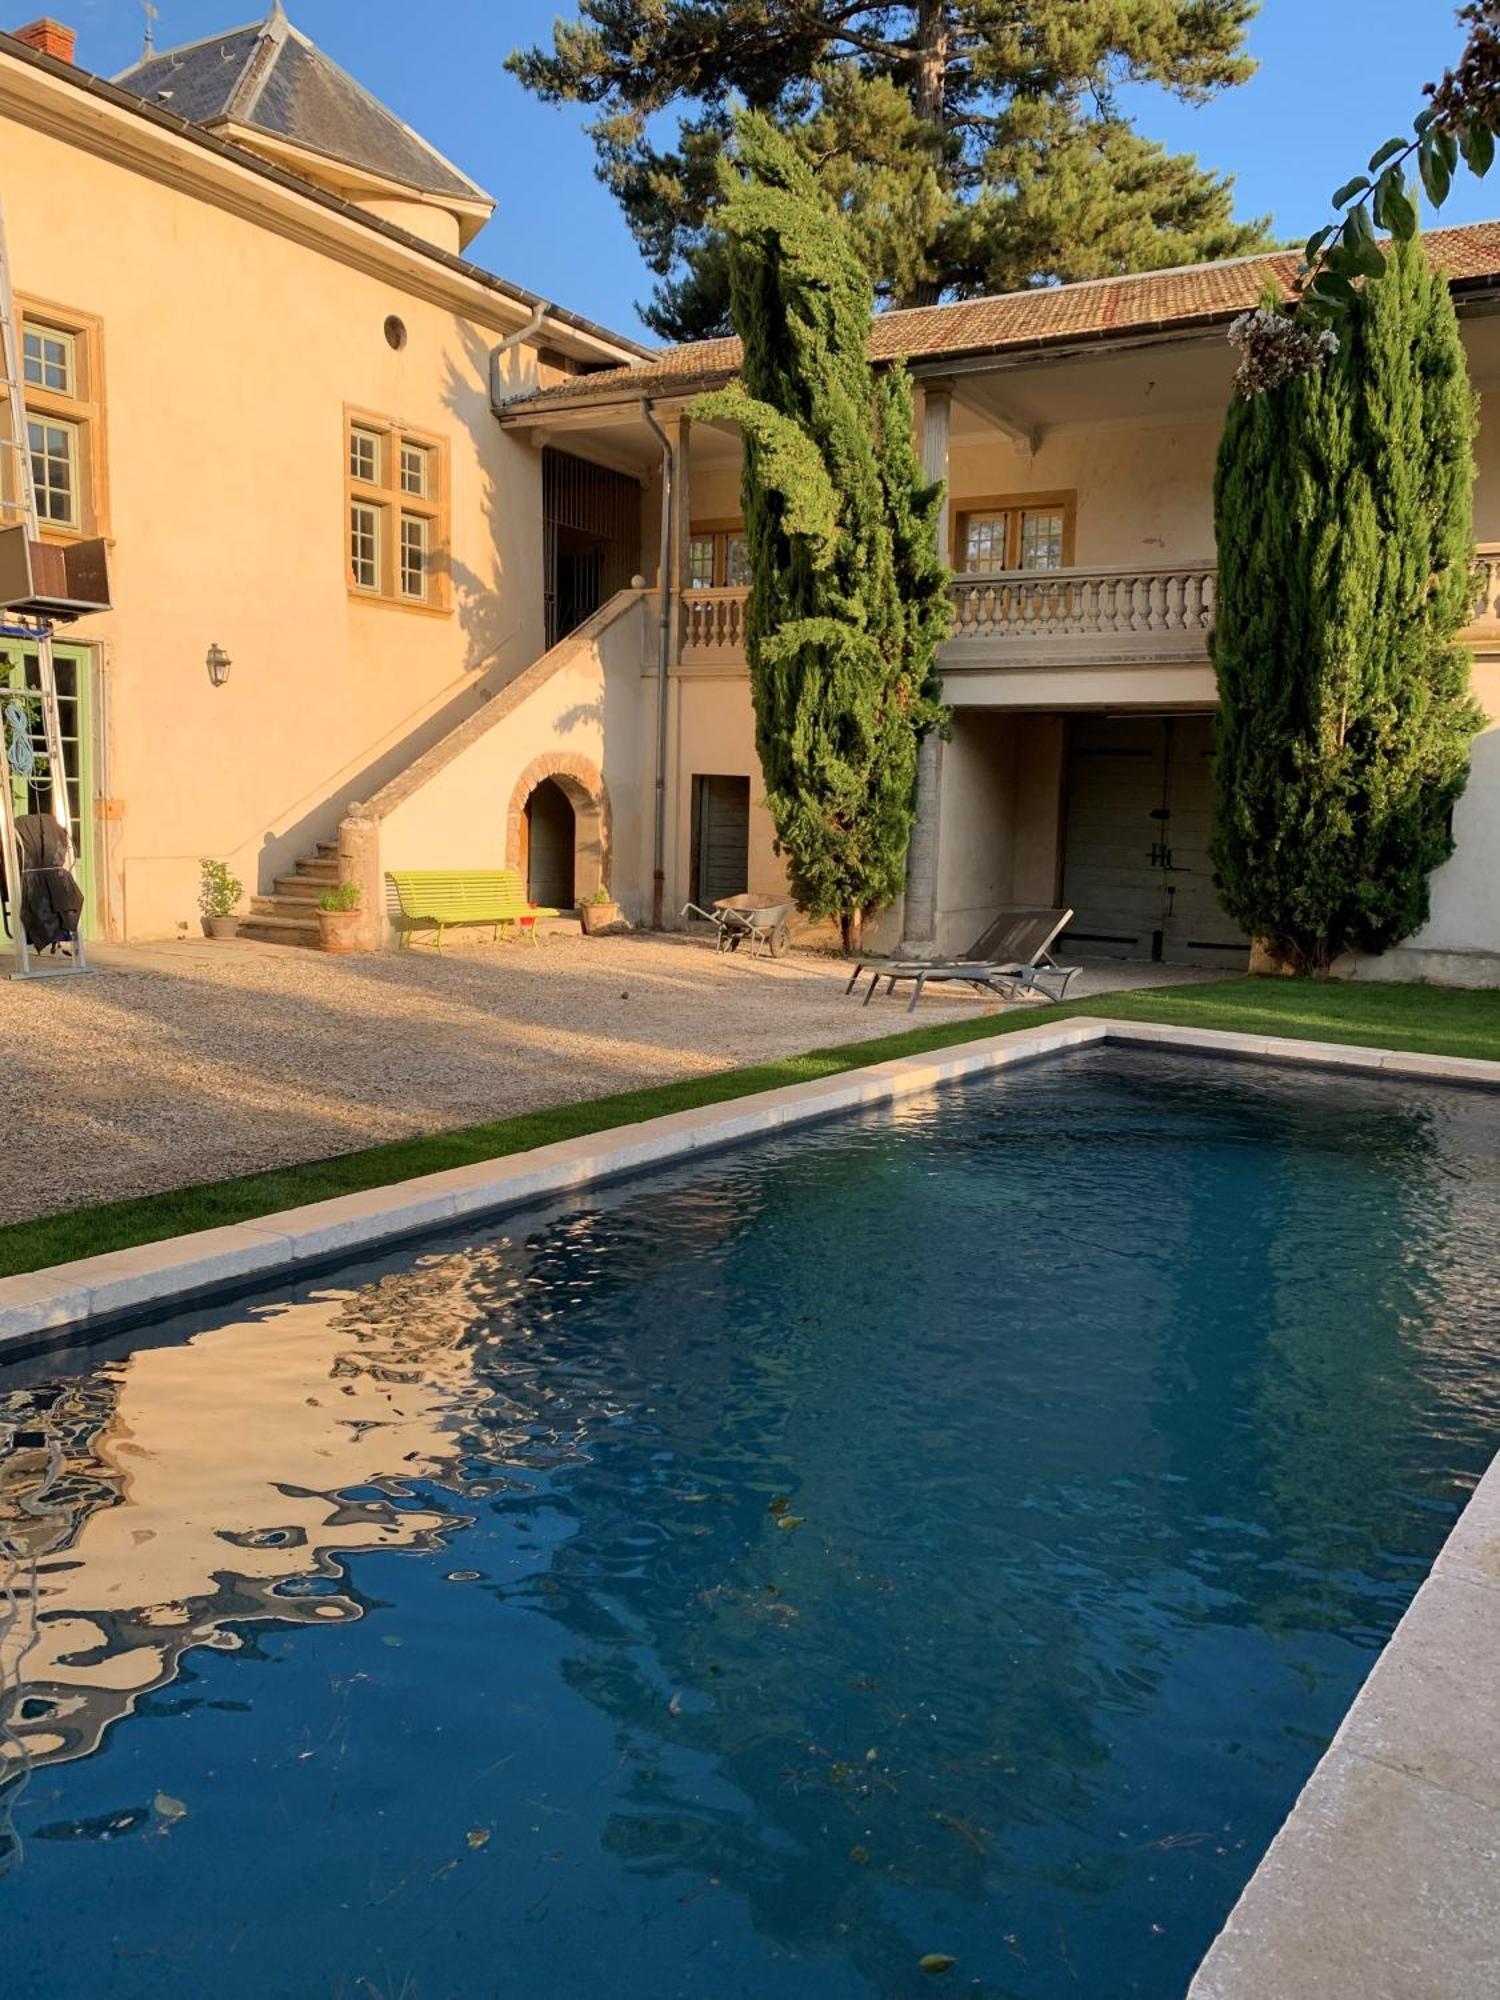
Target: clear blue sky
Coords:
[(1336, 78)]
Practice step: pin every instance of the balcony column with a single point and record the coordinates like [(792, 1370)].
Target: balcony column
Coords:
[(679, 430), (919, 917)]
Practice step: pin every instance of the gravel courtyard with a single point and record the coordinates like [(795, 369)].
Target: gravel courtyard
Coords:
[(186, 1062)]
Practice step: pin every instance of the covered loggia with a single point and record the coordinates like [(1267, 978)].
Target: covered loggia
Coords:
[(1136, 823), (1107, 813), (591, 537)]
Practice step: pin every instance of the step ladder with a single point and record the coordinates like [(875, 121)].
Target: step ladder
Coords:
[(18, 501)]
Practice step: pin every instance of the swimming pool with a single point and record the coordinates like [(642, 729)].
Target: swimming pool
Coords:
[(950, 1532)]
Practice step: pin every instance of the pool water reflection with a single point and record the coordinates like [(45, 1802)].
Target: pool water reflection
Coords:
[(953, 1531)]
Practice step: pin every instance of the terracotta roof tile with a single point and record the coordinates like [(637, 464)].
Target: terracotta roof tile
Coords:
[(1100, 307)]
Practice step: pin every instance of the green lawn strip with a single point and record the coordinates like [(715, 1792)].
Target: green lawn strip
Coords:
[(1432, 1020)]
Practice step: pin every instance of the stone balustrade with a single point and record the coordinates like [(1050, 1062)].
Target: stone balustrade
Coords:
[(1080, 603), (1070, 611)]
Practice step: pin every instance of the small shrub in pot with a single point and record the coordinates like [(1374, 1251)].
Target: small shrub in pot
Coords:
[(598, 912), (218, 893), (338, 918)]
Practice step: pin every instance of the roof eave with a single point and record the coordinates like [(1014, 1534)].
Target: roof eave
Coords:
[(589, 332), (1470, 292)]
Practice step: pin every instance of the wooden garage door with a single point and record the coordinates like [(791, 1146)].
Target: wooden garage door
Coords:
[(1136, 867), (721, 838)]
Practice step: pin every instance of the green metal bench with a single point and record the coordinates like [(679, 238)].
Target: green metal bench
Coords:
[(437, 898)]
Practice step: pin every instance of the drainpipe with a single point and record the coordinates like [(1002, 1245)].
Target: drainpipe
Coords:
[(663, 668), (498, 397)]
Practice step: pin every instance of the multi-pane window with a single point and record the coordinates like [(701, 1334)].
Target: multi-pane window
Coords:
[(364, 545), (414, 536), (717, 559), (49, 360), (415, 478), (396, 497), (61, 383), (1014, 535), (54, 470), (987, 542), (364, 456), (1041, 539)]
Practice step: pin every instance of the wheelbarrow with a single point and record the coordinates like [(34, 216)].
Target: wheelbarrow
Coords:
[(749, 916)]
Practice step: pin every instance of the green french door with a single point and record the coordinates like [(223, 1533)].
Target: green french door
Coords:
[(20, 683)]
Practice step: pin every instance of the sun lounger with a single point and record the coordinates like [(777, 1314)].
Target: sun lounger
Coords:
[(1012, 956)]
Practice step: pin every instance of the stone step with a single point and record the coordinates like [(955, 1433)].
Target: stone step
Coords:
[(318, 871), (328, 850), (272, 927), (297, 889)]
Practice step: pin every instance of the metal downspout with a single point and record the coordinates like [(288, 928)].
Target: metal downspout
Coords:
[(663, 668), (498, 399)]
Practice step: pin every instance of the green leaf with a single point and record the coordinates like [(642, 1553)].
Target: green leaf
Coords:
[(1333, 288), (1387, 152), (1316, 241), (1397, 207), (1350, 189), (1434, 171), (1447, 143), (1423, 121), (1360, 255), (1478, 143)]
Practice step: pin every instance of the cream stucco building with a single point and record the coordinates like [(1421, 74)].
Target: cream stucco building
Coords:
[(424, 514)]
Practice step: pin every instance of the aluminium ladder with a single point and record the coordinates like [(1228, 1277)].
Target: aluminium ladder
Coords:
[(18, 499)]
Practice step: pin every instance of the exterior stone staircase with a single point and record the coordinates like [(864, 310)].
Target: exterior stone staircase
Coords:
[(290, 914)]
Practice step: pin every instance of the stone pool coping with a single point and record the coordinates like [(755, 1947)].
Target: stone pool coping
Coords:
[(1382, 1882), (40, 1308)]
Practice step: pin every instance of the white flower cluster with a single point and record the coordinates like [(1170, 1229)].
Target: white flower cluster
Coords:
[(1275, 349)]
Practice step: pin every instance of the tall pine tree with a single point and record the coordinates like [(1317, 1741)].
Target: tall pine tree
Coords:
[(971, 145), (1345, 546), (848, 600)]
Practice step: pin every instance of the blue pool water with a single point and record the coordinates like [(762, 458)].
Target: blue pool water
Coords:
[(955, 1531)]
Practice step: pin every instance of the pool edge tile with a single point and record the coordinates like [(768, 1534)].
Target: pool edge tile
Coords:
[(1379, 1885), (1321, 1848), (41, 1304)]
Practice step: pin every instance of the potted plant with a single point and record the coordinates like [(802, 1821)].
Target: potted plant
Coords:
[(598, 912), (218, 892), (338, 918)]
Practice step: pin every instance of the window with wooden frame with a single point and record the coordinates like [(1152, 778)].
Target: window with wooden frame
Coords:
[(1014, 531), (717, 556), (62, 383), (396, 513)]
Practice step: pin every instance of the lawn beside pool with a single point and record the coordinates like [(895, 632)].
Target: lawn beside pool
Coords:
[(1430, 1020)]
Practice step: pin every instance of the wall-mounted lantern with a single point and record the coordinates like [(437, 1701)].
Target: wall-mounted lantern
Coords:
[(218, 663)]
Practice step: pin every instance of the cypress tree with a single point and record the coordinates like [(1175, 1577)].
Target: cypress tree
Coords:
[(838, 525), (1343, 512)]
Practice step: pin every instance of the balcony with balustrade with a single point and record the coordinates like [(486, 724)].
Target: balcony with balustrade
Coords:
[(1075, 617)]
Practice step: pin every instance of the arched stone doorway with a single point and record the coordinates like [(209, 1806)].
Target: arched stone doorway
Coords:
[(557, 829), (548, 835)]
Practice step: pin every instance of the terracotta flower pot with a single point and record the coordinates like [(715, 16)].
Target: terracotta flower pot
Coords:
[(597, 917), (221, 927), (338, 930)]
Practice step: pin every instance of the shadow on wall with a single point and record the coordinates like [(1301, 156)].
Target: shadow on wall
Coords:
[(492, 618)]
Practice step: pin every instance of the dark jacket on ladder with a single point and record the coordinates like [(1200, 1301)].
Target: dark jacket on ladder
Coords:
[(51, 900)]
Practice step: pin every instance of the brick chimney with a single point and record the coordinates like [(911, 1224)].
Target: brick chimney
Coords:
[(48, 36)]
